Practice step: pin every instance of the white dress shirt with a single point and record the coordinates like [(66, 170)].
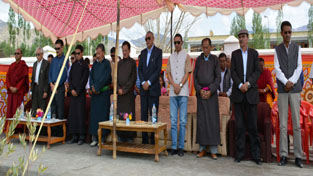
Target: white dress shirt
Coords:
[(38, 71), (244, 60), (296, 74)]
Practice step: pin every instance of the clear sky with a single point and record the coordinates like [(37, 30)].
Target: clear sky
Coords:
[(219, 24)]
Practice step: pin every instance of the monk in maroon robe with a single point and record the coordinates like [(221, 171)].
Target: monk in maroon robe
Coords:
[(17, 83), (266, 85)]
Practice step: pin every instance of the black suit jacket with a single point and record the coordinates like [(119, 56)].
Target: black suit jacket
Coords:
[(150, 72), (252, 76), (43, 76)]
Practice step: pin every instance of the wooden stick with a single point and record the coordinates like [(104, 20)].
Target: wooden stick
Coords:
[(115, 78)]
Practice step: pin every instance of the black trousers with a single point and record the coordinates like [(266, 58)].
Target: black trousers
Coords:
[(147, 102), (57, 106), (37, 100), (246, 120), (57, 109)]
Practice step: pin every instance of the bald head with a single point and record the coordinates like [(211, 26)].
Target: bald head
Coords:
[(18, 54)]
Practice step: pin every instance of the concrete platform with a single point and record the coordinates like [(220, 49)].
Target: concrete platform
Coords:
[(71, 159)]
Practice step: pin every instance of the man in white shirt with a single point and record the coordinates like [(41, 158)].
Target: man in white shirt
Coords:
[(226, 83), (288, 67), (40, 85), (178, 68)]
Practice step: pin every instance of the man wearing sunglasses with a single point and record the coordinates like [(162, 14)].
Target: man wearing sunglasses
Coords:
[(78, 78), (288, 67), (72, 59), (178, 69), (57, 106), (149, 69), (40, 86), (17, 83)]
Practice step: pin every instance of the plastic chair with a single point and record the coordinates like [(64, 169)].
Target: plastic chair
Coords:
[(304, 124)]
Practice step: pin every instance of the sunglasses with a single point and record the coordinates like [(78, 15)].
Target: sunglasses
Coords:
[(287, 32), (17, 53), (112, 55), (77, 53), (37, 54), (148, 38), (57, 48), (176, 42), (72, 58)]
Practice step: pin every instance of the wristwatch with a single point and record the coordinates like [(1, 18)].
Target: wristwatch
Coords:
[(180, 85)]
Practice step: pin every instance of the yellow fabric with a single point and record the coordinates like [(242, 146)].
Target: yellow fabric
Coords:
[(269, 97)]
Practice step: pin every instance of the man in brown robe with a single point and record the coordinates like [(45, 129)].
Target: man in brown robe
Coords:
[(17, 83), (126, 80), (207, 76)]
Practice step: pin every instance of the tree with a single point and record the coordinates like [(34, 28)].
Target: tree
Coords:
[(310, 27), (20, 26), (161, 28), (267, 38), (12, 28), (95, 42), (258, 32), (279, 20), (237, 24)]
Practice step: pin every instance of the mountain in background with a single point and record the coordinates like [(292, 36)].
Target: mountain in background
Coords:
[(2, 23)]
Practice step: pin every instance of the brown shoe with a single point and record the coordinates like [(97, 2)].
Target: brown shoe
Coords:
[(214, 157), (201, 154)]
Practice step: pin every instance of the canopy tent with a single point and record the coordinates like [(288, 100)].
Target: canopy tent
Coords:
[(59, 18), (62, 19)]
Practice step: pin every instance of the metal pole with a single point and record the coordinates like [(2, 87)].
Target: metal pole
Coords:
[(171, 32)]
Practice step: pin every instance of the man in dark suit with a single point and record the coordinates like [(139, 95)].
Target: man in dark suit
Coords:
[(149, 69), (245, 72), (40, 85)]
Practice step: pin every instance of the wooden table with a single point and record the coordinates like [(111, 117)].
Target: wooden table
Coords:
[(48, 123), (131, 147)]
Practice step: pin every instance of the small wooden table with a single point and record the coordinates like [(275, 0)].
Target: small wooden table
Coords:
[(48, 123), (131, 147)]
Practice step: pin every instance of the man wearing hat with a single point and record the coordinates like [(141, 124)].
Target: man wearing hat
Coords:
[(245, 72)]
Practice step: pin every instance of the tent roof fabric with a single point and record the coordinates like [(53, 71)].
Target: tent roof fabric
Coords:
[(59, 18)]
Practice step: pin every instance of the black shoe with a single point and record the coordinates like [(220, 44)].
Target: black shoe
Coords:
[(237, 160), (283, 161), (298, 163), (80, 142), (73, 140), (173, 152), (180, 152), (258, 161)]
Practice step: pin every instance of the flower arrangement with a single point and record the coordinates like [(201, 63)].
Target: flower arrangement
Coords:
[(125, 116), (130, 116), (39, 113)]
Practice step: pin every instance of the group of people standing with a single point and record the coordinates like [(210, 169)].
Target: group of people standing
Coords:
[(213, 77)]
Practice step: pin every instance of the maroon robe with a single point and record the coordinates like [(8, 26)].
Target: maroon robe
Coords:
[(264, 80), (17, 76)]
